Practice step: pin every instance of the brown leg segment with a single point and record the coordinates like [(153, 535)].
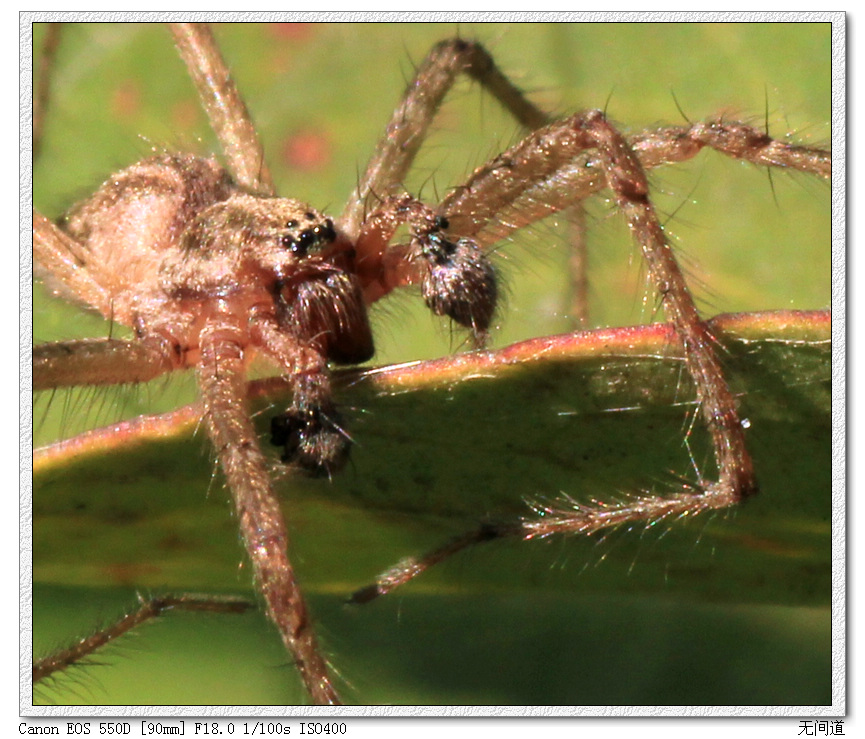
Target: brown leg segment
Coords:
[(148, 610), (97, 362), (548, 171), (627, 180), (624, 175), (56, 253), (411, 120), (223, 388), (225, 108)]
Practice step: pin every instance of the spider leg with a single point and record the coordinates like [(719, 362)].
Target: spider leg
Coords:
[(545, 173), (57, 254), (578, 266), (397, 149), (412, 118), (620, 167), (627, 179), (625, 176), (224, 106), (239, 140), (98, 362), (147, 610), (42, 87), (223, 388), (90, 361)]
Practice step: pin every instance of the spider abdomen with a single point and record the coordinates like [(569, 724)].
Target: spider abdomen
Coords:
[(137, 217)]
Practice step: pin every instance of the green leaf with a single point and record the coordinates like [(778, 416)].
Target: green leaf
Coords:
[(731, 609), (439, 448)]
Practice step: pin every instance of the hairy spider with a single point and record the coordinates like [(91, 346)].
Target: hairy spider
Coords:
[(433, 229)]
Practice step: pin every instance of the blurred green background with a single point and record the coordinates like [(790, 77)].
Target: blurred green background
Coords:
[(321, 96)]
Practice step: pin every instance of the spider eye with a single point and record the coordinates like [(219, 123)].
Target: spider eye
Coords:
[(441, 223), (311, 238), (305, 241)]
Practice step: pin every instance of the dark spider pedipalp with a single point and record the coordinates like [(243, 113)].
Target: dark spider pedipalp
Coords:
[(312, 438), (310, 431), (460, 282), (456, 277)]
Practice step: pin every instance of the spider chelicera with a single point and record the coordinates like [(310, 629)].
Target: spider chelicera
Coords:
[(432, 229)]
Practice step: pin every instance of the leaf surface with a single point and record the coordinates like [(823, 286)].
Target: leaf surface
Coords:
[(440, 447)]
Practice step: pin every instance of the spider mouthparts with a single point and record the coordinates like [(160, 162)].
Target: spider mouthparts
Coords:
[(313, 439), (460, 282), (327, 308)]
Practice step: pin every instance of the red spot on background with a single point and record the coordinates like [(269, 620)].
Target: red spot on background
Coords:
[(126, 100), (307, 150), (293, 31), (283, 42)]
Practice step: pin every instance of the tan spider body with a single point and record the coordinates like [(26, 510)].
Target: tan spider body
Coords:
[(223, 280)]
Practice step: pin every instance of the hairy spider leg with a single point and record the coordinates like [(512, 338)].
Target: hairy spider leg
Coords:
[(540, 176), (221, 369), (148, 610)]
